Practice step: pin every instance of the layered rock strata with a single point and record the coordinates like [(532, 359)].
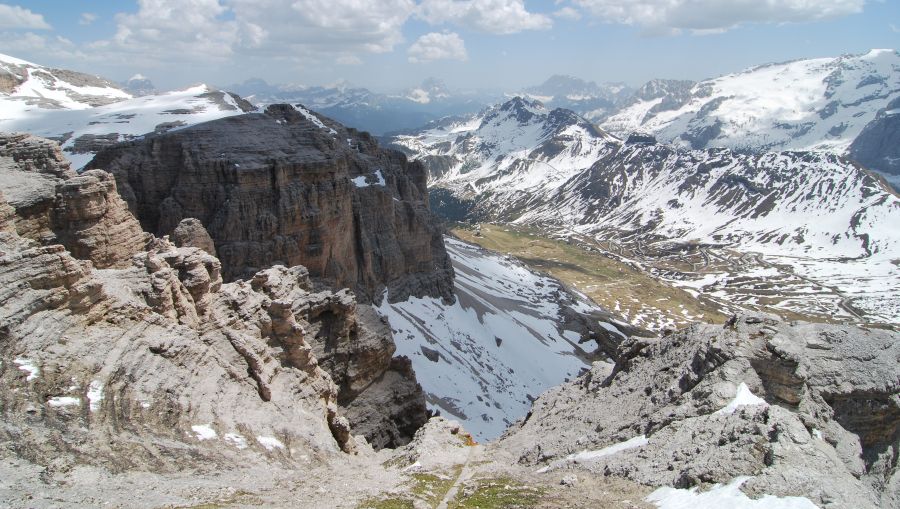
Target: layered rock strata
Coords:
[(145, 359), (289, 187)]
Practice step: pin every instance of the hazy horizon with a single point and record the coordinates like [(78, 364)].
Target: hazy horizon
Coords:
[(390, 45)]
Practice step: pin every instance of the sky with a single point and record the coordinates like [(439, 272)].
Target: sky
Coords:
[(388, 45)]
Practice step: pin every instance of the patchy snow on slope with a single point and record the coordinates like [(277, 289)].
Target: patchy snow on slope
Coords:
[(204, 432), (483, 359), (814, 104), (361, 181), (314, 119), (743, 397), (29, 367), (270, 443), (95, 395), (719, 496), (811, 227), (123, 120), (34, 85), (63, 401)]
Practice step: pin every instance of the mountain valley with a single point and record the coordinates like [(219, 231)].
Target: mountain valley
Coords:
[(580, 294)]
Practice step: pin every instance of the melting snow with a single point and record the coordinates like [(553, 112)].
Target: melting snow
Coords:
[(62, 401), (743, 398), (729, 495), (476, 357), (592, 456), (314, 119), (204, 431), (27, 366), (270, 443), (361, 180), (587, 456), (95, 395)]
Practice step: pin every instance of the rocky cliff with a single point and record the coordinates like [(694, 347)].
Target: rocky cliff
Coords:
[(123, 351), (805, 409), (55, 206), (287, 186)]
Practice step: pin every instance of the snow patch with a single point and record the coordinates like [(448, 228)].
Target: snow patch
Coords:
[(204, 432), (29, 367), (314, 119), (270, 443), (360, 181), (588, 456), (719, 496), (743, 398), (63, 401), (95, 395)]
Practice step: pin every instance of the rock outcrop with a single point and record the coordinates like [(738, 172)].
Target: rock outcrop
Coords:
[(191, 233), (805, 409), (131, 356), (876, 146), (53, 205), (289, 187)]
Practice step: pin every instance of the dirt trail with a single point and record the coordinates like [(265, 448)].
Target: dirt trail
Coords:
[(468, 470)]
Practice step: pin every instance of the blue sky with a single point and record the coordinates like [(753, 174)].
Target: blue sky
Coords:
[(392, 44)]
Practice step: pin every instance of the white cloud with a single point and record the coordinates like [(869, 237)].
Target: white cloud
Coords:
[(326, 26), (437, 46), (165, 32), (568, 13), (13, 16), (87, 18), (708, 16), (492, 16)]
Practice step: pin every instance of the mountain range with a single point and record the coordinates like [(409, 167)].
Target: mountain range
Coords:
[(208, 301), (815, 222)]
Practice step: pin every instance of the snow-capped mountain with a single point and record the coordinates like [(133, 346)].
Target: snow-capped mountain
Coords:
[(86, 113), (816, 104), (476, 358), (140, 85), (431, 90), (650, 99), (83, 132), (821, 217), (370, 111), (587, 98), (26, 85)]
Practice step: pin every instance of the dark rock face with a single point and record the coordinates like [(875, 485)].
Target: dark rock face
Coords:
[(288, 187), (878, 145)]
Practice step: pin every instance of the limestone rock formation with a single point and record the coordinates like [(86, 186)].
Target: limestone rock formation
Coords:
[(805, 409), (55, 206), (289, 187), (191, 233), (140, 357)]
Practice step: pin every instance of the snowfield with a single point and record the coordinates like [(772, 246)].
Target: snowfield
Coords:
[(85, 113), (816, 104), (484, 358)]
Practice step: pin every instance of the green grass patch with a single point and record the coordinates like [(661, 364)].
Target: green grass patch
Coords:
[(614, 285), (498, 493), (387, 503), (432, 488)]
